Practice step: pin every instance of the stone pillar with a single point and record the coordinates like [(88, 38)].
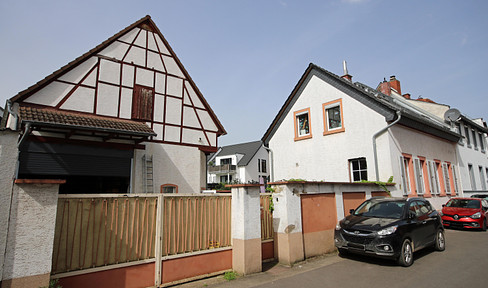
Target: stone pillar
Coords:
[(8, 158), (287, 223), (246, 228), (30, 237)]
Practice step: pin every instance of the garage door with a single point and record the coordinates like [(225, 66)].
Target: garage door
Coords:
[(351, 200)]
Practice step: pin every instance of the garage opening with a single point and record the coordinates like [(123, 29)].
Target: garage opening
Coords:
[(86, 169)]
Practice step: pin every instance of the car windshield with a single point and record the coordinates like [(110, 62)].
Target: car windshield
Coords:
[(464, 203), (381, 209)]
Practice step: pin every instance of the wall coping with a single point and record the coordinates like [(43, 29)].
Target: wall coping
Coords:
[(326, 182), (39, 181), (243, 185)]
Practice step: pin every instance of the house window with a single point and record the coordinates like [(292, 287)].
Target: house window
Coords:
[(482, 178), (262, 165), (405, 170), (226, 161), (142, 103), (226, 179), (466, 134), (419, 175), (434, 178), (333, 117), (169, 188), (482, 142), (302, 124), (447, 179), (458, 129), (471, 177), (475, 143), (455, 178), (359, 169)]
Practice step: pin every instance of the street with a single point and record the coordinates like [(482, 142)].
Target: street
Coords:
[(463, 264)]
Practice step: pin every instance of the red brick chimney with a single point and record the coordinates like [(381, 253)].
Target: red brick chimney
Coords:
[(395, 84), (384, 87)]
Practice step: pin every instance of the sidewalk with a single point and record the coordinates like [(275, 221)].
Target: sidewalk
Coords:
[(272, 271)]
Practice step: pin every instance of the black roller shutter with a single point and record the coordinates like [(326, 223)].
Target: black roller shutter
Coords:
[(38, 158)]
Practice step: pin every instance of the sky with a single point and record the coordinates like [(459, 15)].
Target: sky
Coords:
[(247, 56)]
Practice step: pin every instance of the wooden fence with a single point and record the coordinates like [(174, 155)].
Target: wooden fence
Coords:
[(94, 231), (98, 231), (195, 223)]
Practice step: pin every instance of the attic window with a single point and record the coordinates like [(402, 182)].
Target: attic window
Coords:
[(302, 124), (333, 117), (142, 103)]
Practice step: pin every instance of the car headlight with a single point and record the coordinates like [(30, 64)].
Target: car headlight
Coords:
[(476, 215), (387, 231)]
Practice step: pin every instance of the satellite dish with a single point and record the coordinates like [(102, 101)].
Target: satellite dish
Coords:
[(452, 114)]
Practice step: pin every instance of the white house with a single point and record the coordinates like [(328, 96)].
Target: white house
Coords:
[(331, 129), (243, 163), (124, 117), (471, 149)]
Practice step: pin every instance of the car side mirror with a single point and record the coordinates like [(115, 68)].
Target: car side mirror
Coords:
[(443, 205), (351, 211)]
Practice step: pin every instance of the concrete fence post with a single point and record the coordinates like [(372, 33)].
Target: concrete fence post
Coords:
[(287, 223), (30, 237), (246, 228)]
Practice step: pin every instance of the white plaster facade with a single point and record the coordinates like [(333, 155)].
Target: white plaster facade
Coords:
[(325, 156), (8, 158)]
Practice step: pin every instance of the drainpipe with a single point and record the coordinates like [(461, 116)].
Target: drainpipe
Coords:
[(14, 114), (375, 152), (271, 166)]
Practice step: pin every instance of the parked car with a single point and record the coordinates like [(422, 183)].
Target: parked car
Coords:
[(481, 196), (390, 228), (467, 213)]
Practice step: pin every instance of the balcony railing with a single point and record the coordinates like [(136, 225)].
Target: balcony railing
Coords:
[(227, 168)]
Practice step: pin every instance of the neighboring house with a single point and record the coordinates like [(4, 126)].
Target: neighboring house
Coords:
[(331, 129), (124, 117), (242, 163), (471, 148)]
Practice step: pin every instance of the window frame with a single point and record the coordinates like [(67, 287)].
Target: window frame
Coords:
[(360, 169), (471, 176), (329, 105), (482, 177), (169, 185), (296, 114), (468, 138)]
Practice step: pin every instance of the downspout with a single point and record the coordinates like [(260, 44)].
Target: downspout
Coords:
[(375, 152), (271, 166)]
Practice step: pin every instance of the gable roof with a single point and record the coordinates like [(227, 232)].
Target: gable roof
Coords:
[(145, 22), (247, 149), (372, 98)]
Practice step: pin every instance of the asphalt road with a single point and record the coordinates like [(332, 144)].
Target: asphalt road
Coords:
[(463, 264)]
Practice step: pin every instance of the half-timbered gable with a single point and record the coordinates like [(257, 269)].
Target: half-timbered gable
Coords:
[(124, 117), (133, 75)]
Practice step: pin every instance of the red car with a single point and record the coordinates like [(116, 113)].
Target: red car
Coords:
[(468, 213)]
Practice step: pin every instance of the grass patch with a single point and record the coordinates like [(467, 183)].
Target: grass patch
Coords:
[(230, 275)]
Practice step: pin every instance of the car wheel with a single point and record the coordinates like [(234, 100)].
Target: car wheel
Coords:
[(406, 254), (440, 241), (483, 228)]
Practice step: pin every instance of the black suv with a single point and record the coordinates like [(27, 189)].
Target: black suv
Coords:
[(391, 228)]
